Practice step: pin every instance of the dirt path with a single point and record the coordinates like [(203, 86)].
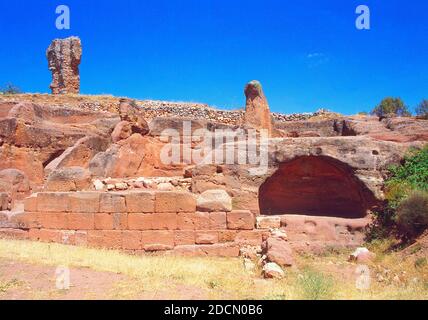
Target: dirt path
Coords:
[(24, 281), (27, 281)]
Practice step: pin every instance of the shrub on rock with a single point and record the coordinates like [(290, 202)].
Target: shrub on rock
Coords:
[(412, 215)]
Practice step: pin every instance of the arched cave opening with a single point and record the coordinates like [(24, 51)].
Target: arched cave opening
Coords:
[(315, 185)]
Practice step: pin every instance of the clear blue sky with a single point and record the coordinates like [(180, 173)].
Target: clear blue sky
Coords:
[(307, 54)]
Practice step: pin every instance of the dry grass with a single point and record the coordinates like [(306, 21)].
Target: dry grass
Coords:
[(315, 277)]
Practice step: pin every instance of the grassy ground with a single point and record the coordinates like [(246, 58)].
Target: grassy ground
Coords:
[(166, 277)]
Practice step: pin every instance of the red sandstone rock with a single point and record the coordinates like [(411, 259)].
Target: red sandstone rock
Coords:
[(112, 203), (157, 240), (240, 220), (214, 200), (278, 251), (257, 113), (206, 237), (64, 58), (111, 221), (184, 238), (175, 202), (131, 240), (69, 179), (140, 202), (122, 131)]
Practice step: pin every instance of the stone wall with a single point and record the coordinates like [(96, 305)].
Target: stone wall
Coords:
[(138, 222)]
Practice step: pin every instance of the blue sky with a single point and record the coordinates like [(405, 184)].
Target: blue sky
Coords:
[(307, 54)]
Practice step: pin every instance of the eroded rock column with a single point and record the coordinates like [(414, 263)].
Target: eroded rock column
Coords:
[(257, 112), (64, 56)]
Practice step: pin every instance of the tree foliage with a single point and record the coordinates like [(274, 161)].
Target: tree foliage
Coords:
[(391, 107), (422, 109), (10, 89)]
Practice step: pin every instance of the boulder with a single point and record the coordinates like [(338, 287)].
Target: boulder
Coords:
[(362, 255), (279, 251), (64, 57), (273, 271), (121, 160), (214, 200), (79, 154), (15, 183), (122, 131), (68, 179), (130, 112)]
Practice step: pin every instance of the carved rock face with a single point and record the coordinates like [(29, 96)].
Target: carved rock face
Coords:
[(257, 113), (64, 56)]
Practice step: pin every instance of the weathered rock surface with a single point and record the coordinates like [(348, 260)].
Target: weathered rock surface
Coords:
[(278, 251), (32, 136), (64, 56), (214, 200), (4, 201), (80, 154), (69, 179), (257, 113), (273, 271)]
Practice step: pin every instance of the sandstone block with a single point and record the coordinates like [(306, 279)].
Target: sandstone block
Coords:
[(140, 202), (175, 202), (111, 221), (84, 202), (268, 222), (184, 238), (158, 221), (214, 200), (193, 221), (53, 202), (131, 240), (112, 203), (157, 240), (30, 203), (218, 220), (206, 237), (80, 221), (240, 220), (53, 220)]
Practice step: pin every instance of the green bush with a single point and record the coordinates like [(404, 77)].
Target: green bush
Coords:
[(391, 107), (422, 109), (403, 181), (412, 215), (315, 285), (412, 174), (10, 89)]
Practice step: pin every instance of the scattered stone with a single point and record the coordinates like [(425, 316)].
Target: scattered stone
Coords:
[(249, 265), (361, 255), (273, 271), (165, 187), (278, 251), (280, 234), (268, 222), (121, 186), (98, 185)]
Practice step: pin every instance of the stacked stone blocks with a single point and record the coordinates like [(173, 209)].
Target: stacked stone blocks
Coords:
[(138, 222)]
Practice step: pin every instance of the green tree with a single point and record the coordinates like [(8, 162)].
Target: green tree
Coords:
[(10, 89), (392, 107), (422, 109)]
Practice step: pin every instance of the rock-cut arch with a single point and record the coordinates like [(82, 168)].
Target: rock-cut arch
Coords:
[(315, 185)]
